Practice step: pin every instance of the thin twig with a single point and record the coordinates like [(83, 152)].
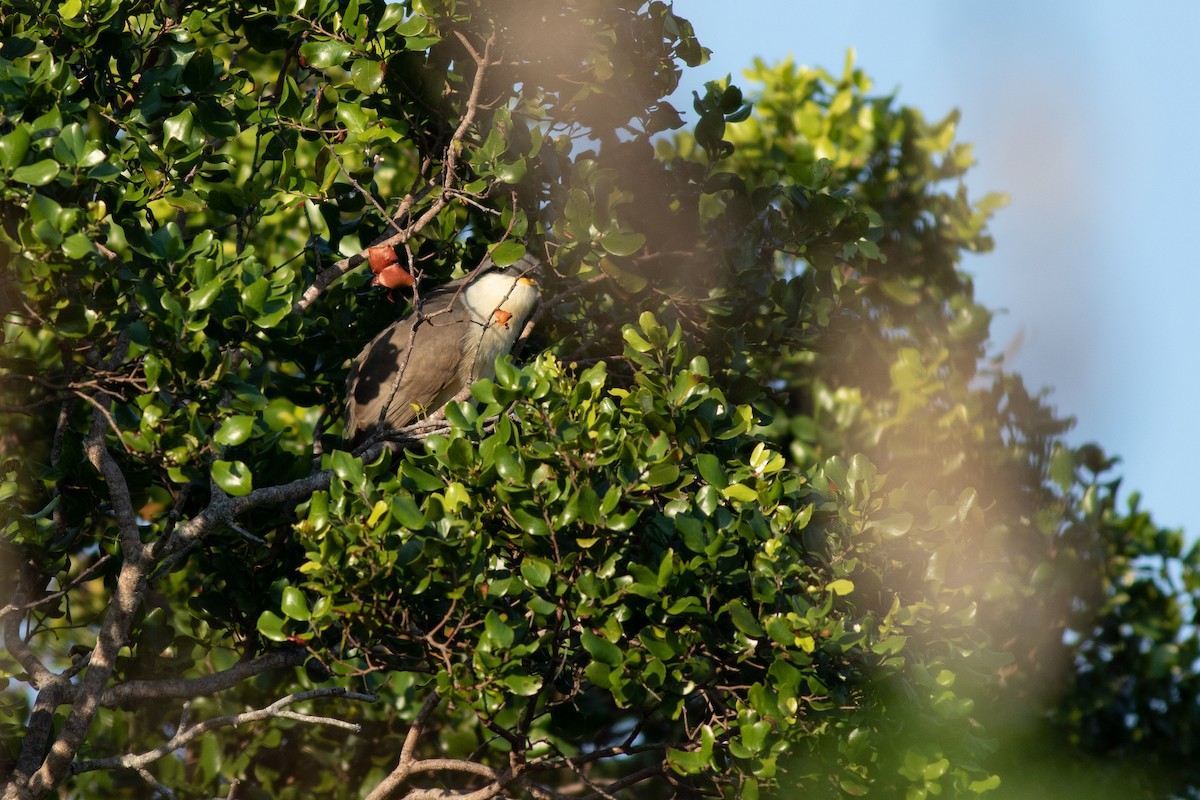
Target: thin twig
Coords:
[(50, 598), (186, 734)]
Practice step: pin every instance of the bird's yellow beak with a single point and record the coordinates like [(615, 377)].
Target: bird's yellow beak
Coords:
[(528, 281)]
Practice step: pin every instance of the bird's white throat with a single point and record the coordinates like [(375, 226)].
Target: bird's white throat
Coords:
[(495, 290), (492, 333)]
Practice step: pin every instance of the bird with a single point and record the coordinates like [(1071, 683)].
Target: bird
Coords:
[(450, 340)]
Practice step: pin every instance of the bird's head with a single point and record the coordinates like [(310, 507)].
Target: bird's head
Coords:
[(499, 294)]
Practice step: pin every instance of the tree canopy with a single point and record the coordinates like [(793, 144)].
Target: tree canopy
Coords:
[(752, 511)]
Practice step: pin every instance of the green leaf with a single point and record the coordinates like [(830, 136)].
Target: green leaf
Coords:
[(740, 491), (523, 685), (513, 172), (204, 296), (710, 469), (507, 253), (13, 147), (894, 526), (497, 633), (181, 128), (536, 571), (295, 604), (233, 477), (78, 246), (508, 466), (348, 468), (367, 75), (325, 53), (688, 762), (601, 649), (39, 173), (413, 26), (622, 244), (841, 586), (635, 341), (986, 785), (271, 626), (532, 524), (744, 621), (353, 116), (235, 430), (407, 512)]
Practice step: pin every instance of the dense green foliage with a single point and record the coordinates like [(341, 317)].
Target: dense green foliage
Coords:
[(752, 512)]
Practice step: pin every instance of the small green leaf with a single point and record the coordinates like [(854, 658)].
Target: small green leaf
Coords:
[(407, 512), (348, 468), (711, 470), (235, 430), (497, 633), (523, 685), (14, 146), (413, 26), (985, 785), (622, 244), (693, 761), (233, 477), (536, 571), (512, 173), (894, 526), (77, 246), (294, 604), (508, 465), (740, 491), (271, 626), (601, 649), (530, 523), (744, 621), (180, 128), (507, 253), (635, 341), (204, 296), (841, 586), (367, 75), (39, 173), (353, 116), (326, 53)]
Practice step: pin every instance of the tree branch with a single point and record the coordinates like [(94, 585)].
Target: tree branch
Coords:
[(403, 767), (50, 598), (55, 765), (139, 691), (187, 733)]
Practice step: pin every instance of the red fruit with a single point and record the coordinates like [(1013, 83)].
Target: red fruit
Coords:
[(381, 257), (393, 277)]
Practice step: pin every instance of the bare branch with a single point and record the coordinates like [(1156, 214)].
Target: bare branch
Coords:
[(186, 734), (403, 767), (106, 465), (138, 691), (624, 783), (222, 510), (154, 782), (39, 676), (82, 577)]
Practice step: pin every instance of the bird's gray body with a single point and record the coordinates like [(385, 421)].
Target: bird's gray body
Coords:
[(421, 362)]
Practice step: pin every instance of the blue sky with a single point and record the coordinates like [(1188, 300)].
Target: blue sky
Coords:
[(1086, 112)]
